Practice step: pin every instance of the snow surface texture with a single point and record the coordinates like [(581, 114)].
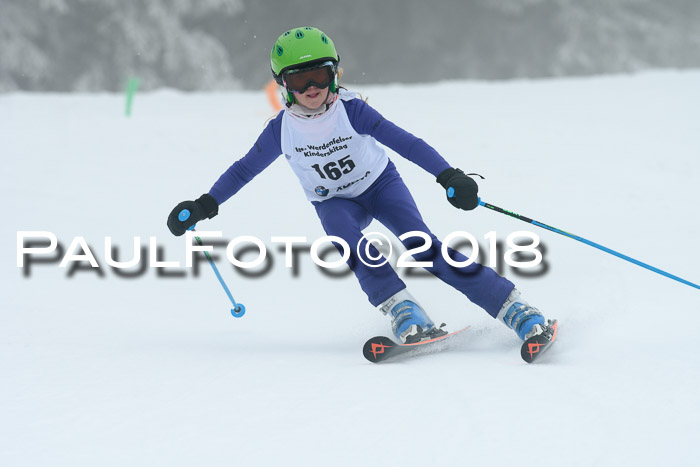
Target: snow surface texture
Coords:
[(150, 371)]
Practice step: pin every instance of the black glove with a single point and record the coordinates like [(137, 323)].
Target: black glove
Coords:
[(205, 207), (460, 189)]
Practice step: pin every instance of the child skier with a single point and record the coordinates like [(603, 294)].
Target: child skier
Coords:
[(329, 137)]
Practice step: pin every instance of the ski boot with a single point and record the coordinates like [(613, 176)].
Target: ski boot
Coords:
[(525, 320), (409, 322), (528, 323)]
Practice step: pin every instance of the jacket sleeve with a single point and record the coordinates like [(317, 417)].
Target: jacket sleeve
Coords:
[(266, 149), (367, 121)]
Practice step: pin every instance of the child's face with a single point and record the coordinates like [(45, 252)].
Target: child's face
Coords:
[(313, 98)]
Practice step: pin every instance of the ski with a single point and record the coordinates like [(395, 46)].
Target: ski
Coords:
[(381, 348), (535, 346)]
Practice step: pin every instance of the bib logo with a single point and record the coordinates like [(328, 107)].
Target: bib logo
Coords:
[(321, 191)]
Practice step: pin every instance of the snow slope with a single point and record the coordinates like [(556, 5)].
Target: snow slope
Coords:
[(104, 370)]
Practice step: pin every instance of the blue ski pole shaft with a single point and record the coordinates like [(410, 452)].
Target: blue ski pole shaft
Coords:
[(587, 242), (238, 309)]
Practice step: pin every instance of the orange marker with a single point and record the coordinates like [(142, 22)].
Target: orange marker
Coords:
[(272, 91)]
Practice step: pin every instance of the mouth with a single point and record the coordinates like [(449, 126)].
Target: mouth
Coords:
[(313, 94)]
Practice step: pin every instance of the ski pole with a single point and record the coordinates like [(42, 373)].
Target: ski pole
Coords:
[(587, 242), (238, 309)]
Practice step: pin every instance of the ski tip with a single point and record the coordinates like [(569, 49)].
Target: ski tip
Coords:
[(535, 346), (378, 348)]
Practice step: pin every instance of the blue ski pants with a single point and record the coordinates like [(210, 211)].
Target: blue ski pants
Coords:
[(388, 201)]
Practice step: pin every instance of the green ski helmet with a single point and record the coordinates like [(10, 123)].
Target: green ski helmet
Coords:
[(302, 48)]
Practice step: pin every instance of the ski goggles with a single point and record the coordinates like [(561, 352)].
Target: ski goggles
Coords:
[(321, 76)]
